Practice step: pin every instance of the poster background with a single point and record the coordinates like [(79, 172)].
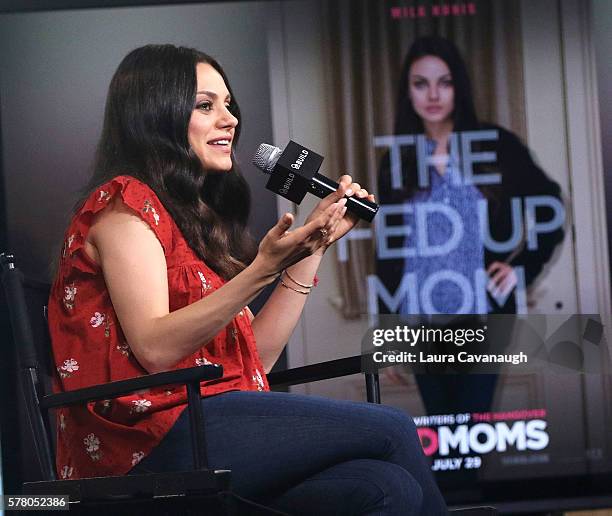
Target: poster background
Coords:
[(562, 131)]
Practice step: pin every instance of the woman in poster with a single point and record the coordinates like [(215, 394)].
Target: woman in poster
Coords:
[(470, 193)]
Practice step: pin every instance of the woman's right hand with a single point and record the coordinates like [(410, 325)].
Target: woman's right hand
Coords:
[(502, 279), (281, 248)]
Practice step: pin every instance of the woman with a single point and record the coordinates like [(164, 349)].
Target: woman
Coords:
[(462, 259), (156, 274), (435, 101)]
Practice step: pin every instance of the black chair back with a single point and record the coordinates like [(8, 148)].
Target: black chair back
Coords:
[(27, 301)]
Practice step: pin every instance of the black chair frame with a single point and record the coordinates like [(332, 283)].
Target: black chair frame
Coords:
[(38, 403), (161, 489)]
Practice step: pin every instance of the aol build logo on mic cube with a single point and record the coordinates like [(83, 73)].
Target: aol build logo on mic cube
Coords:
[(293, 172)]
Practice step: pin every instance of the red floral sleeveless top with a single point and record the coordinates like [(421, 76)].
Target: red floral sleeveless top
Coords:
[(110, 437)]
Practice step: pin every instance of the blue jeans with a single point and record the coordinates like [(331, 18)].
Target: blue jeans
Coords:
[(309, 455)]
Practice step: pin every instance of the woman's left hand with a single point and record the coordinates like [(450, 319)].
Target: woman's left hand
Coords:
[(348, 220)]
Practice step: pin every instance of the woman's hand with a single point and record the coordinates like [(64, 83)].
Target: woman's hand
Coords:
[(502, 279), (348, 220), (281, 248)]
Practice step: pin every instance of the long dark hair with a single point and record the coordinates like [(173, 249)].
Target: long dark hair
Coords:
[(150, 101), (407, 121)]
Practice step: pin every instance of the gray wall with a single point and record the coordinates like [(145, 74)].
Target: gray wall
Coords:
[(55, 68), (602, 39)]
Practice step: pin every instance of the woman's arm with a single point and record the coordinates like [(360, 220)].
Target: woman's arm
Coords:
[(527, 179), (135, 272), (277, 319)]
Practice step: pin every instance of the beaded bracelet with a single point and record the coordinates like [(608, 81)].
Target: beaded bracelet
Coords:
[(305, 292)]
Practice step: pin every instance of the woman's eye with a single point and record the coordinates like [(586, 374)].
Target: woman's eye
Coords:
[(419, 84), (204, 106), (447, 82)]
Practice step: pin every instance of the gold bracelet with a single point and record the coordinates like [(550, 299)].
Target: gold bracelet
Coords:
[(294, 289), (296, 282)]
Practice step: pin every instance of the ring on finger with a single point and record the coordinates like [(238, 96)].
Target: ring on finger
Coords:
[(323, 232)]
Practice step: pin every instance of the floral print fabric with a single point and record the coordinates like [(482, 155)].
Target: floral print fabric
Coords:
[(109, 437)]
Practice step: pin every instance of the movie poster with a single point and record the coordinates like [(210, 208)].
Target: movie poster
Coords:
[(454, 115)]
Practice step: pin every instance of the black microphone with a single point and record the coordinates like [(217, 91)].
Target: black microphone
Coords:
[(294, 172)]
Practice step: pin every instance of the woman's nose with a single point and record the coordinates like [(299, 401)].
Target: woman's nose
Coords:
[(228, 119), (433, 92)]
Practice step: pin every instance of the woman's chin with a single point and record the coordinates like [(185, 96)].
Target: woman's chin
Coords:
[(218, 168), (435, 119)]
